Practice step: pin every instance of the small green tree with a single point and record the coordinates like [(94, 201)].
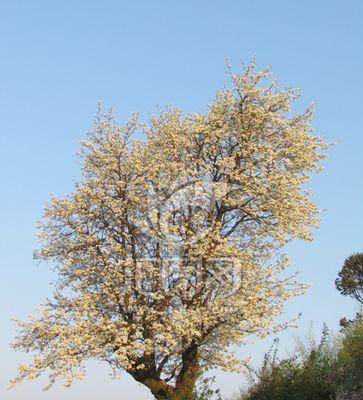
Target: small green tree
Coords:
[(350, 278)]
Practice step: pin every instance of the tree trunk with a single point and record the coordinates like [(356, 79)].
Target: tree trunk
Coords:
[(185, 381), (160, 389), (184, 386)]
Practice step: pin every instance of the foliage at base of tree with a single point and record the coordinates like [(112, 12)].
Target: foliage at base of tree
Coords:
[(330, 369), (204, 390)]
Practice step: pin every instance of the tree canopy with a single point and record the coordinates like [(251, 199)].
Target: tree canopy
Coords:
[(169, 250)]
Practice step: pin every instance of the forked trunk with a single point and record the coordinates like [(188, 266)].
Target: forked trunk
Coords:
[(163, 391), (185, 381), (188, 375)]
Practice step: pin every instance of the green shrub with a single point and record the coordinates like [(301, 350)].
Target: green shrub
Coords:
[(330, 369), (350, 359)]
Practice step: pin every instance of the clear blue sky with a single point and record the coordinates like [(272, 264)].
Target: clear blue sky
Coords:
[(60, 58)]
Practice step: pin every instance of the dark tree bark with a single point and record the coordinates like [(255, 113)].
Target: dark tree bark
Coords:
[(185, 380)]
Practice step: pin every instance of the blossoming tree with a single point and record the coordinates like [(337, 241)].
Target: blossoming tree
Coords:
[(169, 250)]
